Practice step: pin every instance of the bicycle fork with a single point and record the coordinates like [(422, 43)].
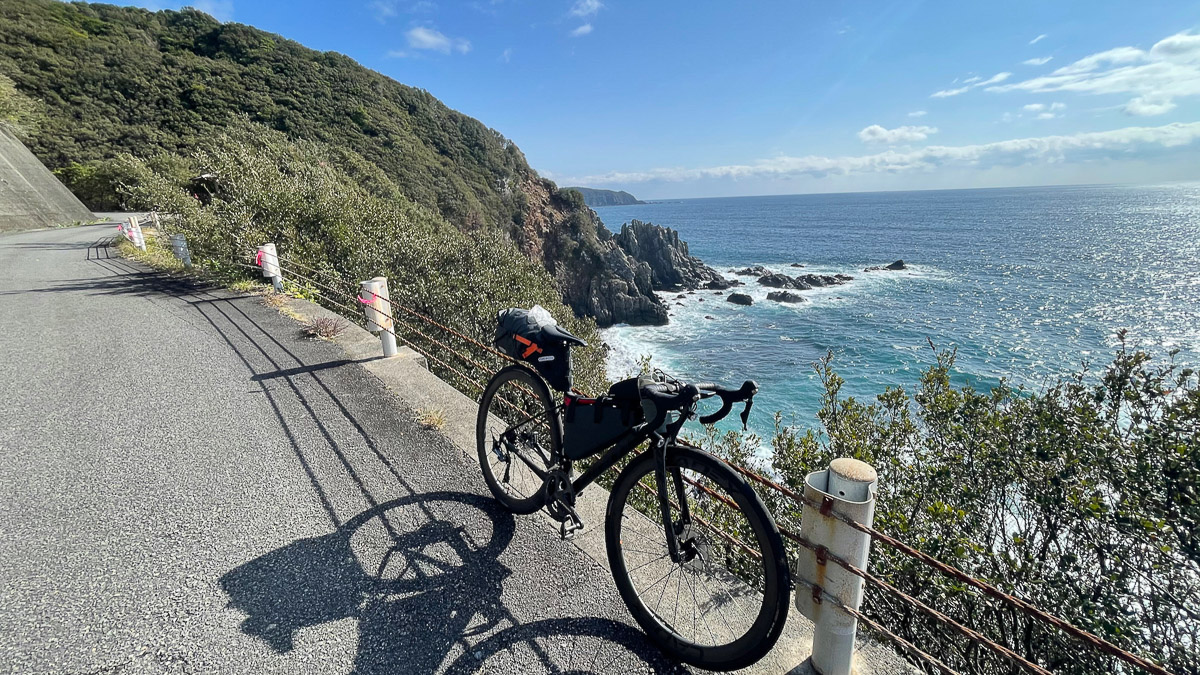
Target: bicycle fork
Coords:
[(671, 528)]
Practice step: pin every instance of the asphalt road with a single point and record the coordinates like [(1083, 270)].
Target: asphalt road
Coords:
[(189, 486)]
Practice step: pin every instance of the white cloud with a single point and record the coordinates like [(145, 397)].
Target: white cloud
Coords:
[(432, 40), (586, 7), (917, 113), (1169, 69), (878, 134), (506, 55), (949, 92), (390, 9), (221, 10), (1038, 39), (582, 30), (1021, 151), (971, 82), (1041, 61), (1045, 111), (1145, 106)]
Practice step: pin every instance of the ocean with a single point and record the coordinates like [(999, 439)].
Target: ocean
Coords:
[(1027, 284)]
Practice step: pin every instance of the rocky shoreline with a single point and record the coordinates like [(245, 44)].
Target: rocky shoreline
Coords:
[(653, 258)]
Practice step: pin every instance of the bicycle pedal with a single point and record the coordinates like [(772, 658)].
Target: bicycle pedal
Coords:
[(568, 528)]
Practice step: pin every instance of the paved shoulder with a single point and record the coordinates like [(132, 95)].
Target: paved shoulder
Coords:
[(191, 487)]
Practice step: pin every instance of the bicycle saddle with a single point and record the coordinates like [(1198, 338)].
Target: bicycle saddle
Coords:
[(556, 332)]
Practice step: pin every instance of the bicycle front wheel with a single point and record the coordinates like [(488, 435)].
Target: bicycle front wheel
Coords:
[(723, 605), (518, 435)]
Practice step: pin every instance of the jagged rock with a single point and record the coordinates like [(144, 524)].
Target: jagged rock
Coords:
[(777, 280), (843, 277), (617, 292), (740, 299), (892, 267), (786, 296), (820, 280), (719, 293), (671, 266), (752, 271), (680, 296), (796, 265), (691, 292), (721, 284), (708, 316), (699, 299)]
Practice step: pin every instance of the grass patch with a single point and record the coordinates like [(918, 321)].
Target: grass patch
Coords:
[(250, 287), (324, 327), (155, 255), (432, 419)]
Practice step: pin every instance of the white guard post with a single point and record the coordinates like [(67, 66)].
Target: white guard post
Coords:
[(269, 261), (847, 487), (138, 239), (180, 249), (378, 311)]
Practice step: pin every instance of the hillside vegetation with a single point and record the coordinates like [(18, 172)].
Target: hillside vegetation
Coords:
[(115, 80)]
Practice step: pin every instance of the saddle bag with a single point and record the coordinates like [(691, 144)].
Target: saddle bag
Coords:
[(522, 334), (592, 424)]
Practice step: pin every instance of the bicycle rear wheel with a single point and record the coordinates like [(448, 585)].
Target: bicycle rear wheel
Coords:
[(518, 434), (723, 605)]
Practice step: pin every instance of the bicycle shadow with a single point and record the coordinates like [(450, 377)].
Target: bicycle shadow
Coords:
[(423, 596), (421, 575)]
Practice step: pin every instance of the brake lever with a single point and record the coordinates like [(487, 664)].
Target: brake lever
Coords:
[(746, 413)]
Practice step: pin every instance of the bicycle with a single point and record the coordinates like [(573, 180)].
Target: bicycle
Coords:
[(675, 512)]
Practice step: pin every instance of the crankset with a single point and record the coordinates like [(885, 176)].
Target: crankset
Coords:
[(560, 503)]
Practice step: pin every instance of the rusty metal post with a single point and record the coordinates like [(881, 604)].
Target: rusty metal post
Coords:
[(848, 487), (378, 310)]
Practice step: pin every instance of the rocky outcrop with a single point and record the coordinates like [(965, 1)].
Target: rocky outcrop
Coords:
[(804, 281), (671, 266), (595, 276), (752, 271), (777, 280), (786, 296), (893, 267), (740, 299)]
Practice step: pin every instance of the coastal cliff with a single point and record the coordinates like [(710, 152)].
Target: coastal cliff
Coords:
[(671, 266)]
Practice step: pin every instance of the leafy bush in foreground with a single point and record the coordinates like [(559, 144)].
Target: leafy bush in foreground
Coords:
[(1081, 498)]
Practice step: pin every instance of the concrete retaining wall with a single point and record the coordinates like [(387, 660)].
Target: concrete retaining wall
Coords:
[(30, 196)]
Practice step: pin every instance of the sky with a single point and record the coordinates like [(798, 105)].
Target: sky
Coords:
[(708, 99)]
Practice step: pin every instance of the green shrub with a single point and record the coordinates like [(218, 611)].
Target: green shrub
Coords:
[(1080, 498), (321, 214)]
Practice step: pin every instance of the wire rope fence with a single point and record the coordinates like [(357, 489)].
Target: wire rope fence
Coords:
[(467, 362)]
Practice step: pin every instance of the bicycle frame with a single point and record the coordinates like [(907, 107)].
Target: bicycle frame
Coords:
[(620, 449)]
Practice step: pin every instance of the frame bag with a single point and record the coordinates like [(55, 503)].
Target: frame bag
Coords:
[(592, 424)]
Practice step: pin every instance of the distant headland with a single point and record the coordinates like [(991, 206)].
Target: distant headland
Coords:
[(593, 197)]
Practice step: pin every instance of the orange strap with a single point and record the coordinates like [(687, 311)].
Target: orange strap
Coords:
[(530, 348)]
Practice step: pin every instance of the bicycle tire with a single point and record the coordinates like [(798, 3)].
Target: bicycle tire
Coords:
[(532, 397), (758, 533)]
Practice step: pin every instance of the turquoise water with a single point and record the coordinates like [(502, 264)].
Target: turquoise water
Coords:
[(1026, 283)]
